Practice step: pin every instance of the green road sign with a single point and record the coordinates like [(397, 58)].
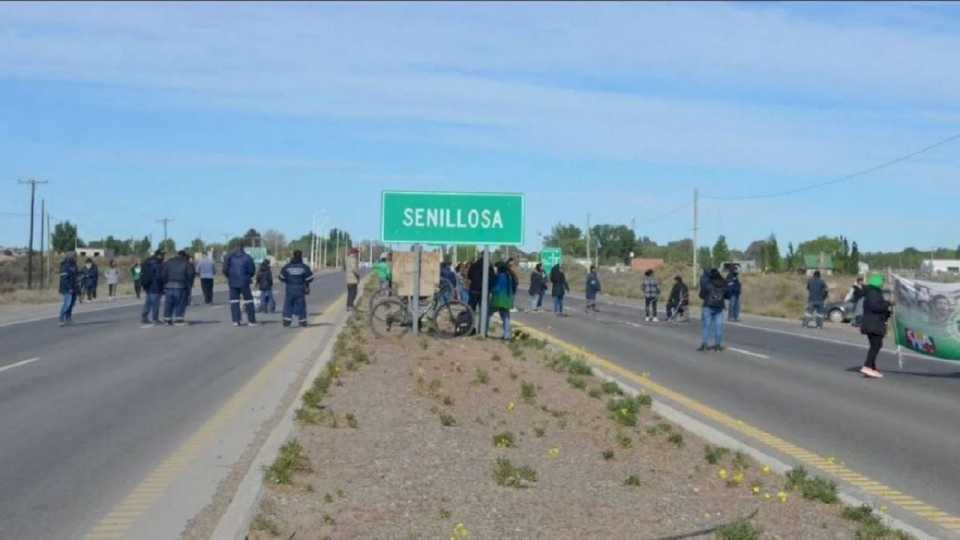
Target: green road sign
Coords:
[(550, 257), (258, 253), (493, 219)]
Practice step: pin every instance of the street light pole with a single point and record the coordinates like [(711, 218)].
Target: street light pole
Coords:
[(33, 195)]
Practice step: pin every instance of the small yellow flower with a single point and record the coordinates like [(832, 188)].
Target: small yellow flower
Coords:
[(766, 469), (831, 460), (554, 452), (460, 532), (510, 406), (738, 478), (722, 474), (756, 490), (782, 496), (766, 496), (883, 508)]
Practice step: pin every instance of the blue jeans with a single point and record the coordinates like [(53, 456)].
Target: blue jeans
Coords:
[(174, 305), (151, 307), (294, 304), (558, 304), (536, 301), (713, 326), (66, 310), (735, 308), (267, 302), (504, 318)]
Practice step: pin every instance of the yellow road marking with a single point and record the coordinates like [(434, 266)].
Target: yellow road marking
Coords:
[(117, 522), (906, 502)]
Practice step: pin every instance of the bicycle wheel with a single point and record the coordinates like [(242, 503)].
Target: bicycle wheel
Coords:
[(377, 295), (453, 319), (389, 317)]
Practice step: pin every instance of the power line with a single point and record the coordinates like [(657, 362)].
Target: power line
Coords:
[(845, 178)]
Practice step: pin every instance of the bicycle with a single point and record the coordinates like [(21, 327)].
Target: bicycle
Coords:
[(448, 318)]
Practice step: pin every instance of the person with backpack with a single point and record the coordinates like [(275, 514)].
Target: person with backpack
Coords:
[(296, 276), (152, 284), (817, 293), (876, 313), (265, 284), (560, 288), (501, 297), (538, 286), (679, 299), (69, 288), (651, 294), (714, 295), (734, 288), (592, 289), (239, 268)]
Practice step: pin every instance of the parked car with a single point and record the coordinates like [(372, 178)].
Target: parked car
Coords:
[(839, 312)]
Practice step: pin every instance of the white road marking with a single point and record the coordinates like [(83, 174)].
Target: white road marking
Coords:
[(749, 353), (18, 364)]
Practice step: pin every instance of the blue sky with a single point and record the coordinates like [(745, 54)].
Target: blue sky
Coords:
[(227, 116)]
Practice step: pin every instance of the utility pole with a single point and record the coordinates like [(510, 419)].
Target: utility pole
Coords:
[(165, 221), (50, 246), (337, 257), (43, 252), (33, 195), (588, 238), (696, 229)]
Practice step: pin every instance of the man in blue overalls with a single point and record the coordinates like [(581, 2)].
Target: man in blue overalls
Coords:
[(239, 269), (297, 277)]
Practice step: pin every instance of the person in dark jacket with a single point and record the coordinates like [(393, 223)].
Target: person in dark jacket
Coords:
[(239, 268), (679, 299), (69, 288), (297, 277), (592, 289), (91, 278), (152, 283), (651, 294), (734, 288), (448, 283), (176, 274), (714, 295), (265, 284), (876, 312), (538, 286), (817, 293), (475, 275), (560, 289)]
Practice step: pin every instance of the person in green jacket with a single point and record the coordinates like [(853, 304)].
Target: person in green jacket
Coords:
[(384, 272), (501, 297)]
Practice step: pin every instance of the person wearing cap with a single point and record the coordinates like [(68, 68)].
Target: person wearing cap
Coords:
[(876, 313), (353, 276), (152, 284), (69, 287), (296, 276), (239, 268)]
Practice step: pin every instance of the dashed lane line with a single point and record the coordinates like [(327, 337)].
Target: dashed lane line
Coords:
[(908, 503), (749, 353), (18, 364)]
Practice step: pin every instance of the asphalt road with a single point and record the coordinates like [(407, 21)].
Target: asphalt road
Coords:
[(86, 411), (903, 430)]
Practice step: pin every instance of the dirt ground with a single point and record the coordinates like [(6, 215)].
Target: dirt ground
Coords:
[(406, 440)]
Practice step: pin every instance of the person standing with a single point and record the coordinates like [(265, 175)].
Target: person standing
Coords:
[(538, 286), (239, 268), (448, 283), (475, 275), (876, 313), (714, 295), (91, 277), (501, 298), (817, 292), (352, 268), (135, 271), (69, 287), (176, 274), (560, 288), (734, 288), (265, 284), (384, 273), (592, 289), (296, 276), (207, 269), (188, 292), (651, 294), (679, 298), (113, 279), (854, 299), (152, 284)]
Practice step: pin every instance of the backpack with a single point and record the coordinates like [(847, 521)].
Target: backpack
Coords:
[(463, 324), (714, 297)]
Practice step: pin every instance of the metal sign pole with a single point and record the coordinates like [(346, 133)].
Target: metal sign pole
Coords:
[(415, 301), (484, 293)]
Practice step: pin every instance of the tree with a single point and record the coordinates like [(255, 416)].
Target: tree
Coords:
[(703, 258), (790, 262), (65, 237), (957, 254), (755, 250), (251, 238), (615, 241), (772, 260), (235, 242), (168, 246), (721, 253), (854, 261), (275, 242), (197, 246), (141, 248), (569, 238)]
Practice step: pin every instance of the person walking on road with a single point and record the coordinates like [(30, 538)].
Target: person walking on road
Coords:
[(265, 284), (679, 300), (538, 286), (113, 279), (501, 299), (69, 287), (560, 289), (152, 284), (135, 271), (817, 292), (176, 274), (734, 288), (296, 277), (714, 295), (352, 264), (651, 294), (207, 269), (239, 269), (91, 277), (592, 289), (188, 294), (876, 313)]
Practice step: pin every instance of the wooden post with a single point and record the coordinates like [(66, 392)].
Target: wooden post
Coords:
[(484, 293)]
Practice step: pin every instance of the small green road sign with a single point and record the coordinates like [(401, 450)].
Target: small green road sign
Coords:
[(258, 253), (550, 257), (492, 219)]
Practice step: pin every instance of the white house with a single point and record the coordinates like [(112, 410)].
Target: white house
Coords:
[(940, 266)]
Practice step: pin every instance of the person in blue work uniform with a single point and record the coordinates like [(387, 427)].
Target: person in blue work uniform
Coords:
[(69, 288), (297, 277), (239, 268), (152, 284)]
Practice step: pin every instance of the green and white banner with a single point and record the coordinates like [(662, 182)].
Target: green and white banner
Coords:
[(928, 317)]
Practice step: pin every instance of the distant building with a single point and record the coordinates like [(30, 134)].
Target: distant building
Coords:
[(642, 265), (940, 266), (822, 262), (744, 267)]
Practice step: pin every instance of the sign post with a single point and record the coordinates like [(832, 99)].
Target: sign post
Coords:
[(415, 300)]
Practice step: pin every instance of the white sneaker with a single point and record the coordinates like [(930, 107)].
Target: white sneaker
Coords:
[(236, 324), (655, 319), (253, 324)]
